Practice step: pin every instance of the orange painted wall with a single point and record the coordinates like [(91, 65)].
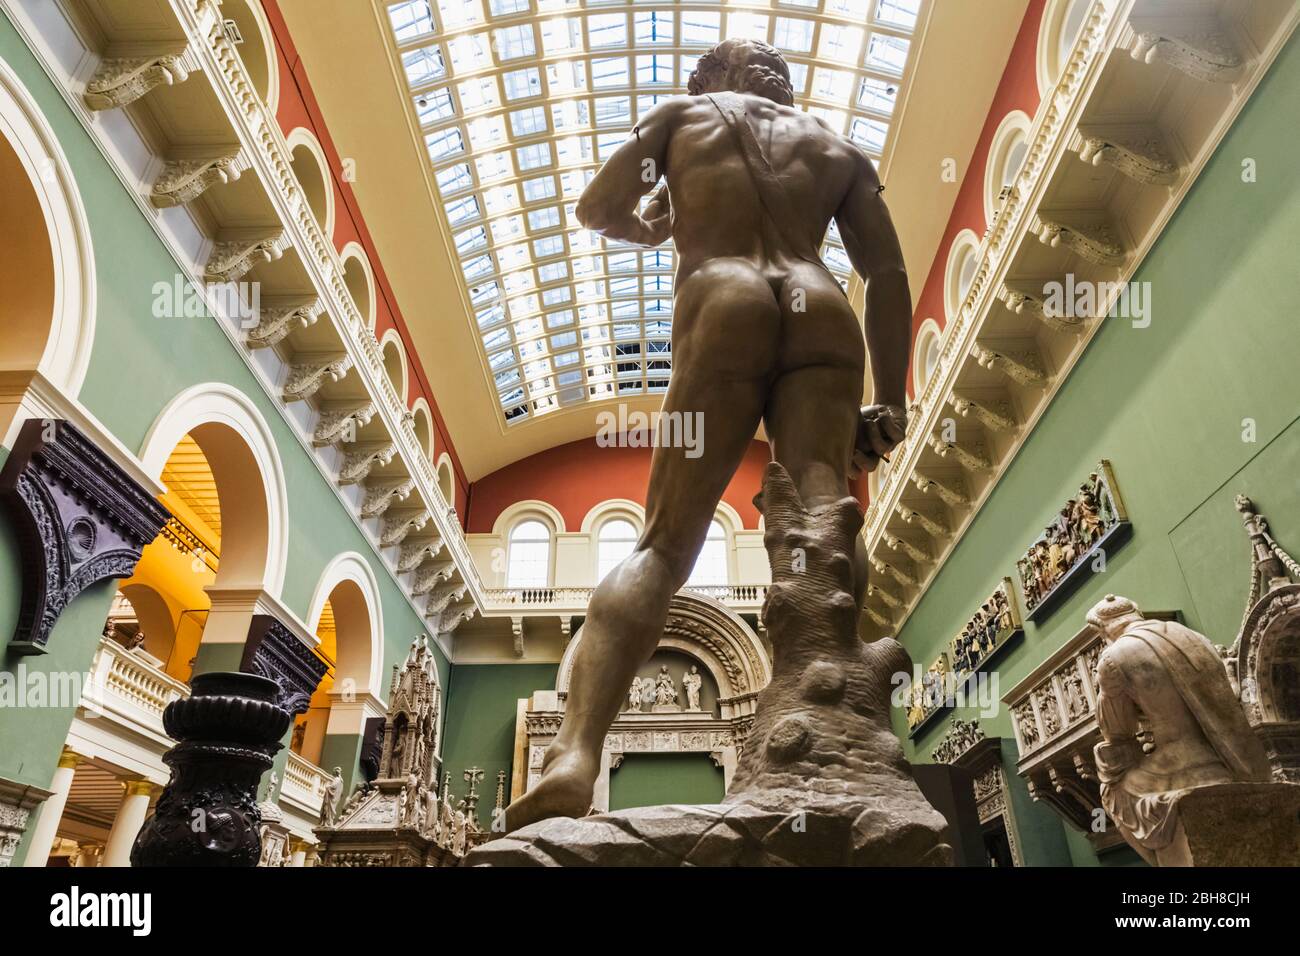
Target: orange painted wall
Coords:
[(576, 477), (298, 107), (1017, 90)]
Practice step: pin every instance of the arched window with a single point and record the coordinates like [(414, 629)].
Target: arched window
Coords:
[(1006, 156), (963, 262), (711, 566), (925, 357), (528, 563), (615, 542), (1059, 30)]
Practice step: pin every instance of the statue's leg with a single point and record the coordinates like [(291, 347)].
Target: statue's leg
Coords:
[(724, 340), (812, 411)]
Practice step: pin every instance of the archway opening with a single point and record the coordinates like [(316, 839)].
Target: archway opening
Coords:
[(168, 589), (346, 631), (26, 273)]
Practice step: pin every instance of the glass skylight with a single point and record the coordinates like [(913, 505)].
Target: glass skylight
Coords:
[(520, 101)]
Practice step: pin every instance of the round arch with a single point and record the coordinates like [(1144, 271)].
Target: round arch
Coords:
[(348, 583), (613, 508), (1007, 152), (529, 508), (959, 273), (312, 169), (711, 633), (47, 263), (393, 353), (925, 355), (422, 422), (156, 618), (446, 479), (1057, 32), (257, 51), (360, 281), (246, 466)]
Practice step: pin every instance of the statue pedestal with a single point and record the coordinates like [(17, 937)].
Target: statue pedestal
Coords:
[(666, 709), (1238, 824)]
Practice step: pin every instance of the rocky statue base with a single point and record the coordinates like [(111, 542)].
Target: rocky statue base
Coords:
[(822, 781), (1238, 824)]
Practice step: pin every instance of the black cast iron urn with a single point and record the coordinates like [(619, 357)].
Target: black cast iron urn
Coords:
[(229, 730)]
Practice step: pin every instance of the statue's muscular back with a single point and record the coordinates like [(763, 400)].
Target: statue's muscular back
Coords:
[(743, 276), (716, 207)]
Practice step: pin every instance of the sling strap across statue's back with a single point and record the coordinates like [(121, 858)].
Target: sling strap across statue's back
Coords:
[(780, 207)]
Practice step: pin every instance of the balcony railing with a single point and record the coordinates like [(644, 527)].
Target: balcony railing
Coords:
[(128, 688), (304, 784), (738, 597)]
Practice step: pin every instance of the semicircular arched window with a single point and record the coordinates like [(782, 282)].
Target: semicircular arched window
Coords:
[(711, 566), (615, 542), (528, 562)]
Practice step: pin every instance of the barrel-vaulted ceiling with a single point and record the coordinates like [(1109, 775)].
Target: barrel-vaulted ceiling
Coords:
[(520, 101), (503, 84)]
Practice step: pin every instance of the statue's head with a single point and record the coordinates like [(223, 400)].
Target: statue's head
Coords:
[(1113, 615), (743, 66)]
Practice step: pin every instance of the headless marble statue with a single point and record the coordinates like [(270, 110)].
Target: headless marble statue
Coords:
[(1170, 723)]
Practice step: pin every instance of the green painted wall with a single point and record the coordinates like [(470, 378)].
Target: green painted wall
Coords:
[(139, 363), (648, 780), (1167, 405), (479, 727)]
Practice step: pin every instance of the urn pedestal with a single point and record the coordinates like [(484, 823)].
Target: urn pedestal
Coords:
[(229, 730)]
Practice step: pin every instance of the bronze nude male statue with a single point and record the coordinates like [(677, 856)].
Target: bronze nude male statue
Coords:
[(762, 332)]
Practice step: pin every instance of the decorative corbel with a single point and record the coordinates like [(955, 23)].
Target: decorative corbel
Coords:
[(342, 424), (277, 320), (1094, 241), (184, 180), (275, 652), (120, 80), (306, 378), (397, 525), (1023, 368), (1201, 50), (1023, 300), (80, 519), (231, 259), (911, 516), (414, 553)]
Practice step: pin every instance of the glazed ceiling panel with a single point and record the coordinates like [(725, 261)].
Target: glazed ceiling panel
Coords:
[(520, 101)]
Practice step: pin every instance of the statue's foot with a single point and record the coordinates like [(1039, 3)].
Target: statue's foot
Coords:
[(564, 790)]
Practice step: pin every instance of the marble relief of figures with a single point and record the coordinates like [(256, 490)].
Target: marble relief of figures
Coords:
[(1070, 538), (659, 694), (931, 693), (996, 620)]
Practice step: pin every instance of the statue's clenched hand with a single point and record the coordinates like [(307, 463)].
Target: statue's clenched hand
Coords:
[(880, 429)]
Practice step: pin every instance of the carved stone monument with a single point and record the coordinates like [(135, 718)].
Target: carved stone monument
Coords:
[(1183, 775), (399, 818), (822, 779)]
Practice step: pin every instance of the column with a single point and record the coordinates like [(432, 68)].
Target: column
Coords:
[(47, 824), (298, 853), (126, 825)]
